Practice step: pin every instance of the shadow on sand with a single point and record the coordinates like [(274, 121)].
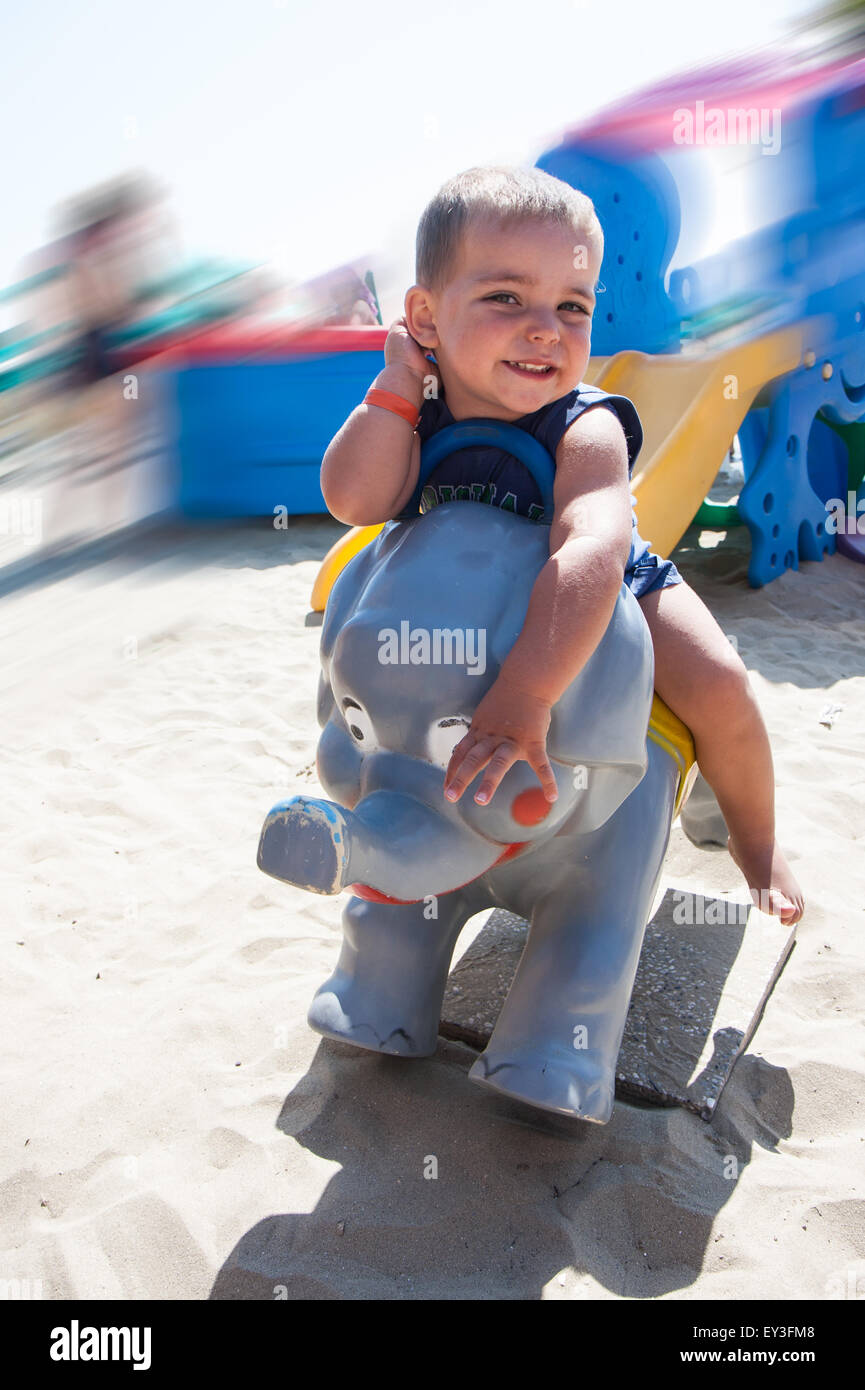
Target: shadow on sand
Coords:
[(519, 1195)]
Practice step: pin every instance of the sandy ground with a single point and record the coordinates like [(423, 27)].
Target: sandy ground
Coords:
[(173, 1129)]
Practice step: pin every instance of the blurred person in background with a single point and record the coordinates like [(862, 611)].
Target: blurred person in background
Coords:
[(354, 303), (113, 239), (340, 297), (109, 235)]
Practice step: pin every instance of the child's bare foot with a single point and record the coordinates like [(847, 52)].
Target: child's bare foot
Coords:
[(771, 880)]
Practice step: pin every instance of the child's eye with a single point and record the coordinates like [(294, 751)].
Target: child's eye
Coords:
[(570, 305)]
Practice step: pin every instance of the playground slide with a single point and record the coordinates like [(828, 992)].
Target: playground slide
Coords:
[(690, 408)]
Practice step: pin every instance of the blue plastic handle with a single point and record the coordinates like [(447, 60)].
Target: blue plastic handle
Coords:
[(495, 434)]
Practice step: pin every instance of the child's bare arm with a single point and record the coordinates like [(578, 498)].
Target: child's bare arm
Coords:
[(573, 597), (371, 465), (570, 606)]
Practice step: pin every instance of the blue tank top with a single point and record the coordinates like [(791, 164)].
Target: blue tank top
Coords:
[(482, 473)]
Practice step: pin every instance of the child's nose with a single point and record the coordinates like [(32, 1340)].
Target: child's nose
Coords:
[(543, 325)]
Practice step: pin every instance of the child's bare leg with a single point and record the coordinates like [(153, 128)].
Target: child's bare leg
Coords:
[(700, 676)]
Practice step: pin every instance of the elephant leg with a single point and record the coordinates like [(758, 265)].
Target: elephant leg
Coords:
[(557, 1039), (386, 991)]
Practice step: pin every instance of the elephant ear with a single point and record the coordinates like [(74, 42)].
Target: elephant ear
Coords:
[(601, 720)]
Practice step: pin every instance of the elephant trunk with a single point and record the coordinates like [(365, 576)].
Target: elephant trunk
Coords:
[(392, 843)]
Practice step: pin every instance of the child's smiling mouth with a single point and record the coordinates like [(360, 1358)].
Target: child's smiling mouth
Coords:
[(531, 368)]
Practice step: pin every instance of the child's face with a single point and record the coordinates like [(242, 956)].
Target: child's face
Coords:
[(519, 293)]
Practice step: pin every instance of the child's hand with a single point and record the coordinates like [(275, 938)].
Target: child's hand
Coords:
[(508, 724), (402, 349)]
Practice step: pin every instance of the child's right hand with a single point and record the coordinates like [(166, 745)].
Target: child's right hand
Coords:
[(401, 349)]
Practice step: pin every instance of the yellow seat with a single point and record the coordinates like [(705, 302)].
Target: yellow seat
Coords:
[(336, 560), (667, 730)]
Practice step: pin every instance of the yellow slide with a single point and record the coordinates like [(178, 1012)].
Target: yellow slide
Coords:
[(690, 408)]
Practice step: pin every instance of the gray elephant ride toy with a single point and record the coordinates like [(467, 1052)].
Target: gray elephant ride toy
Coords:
[(415, 630)]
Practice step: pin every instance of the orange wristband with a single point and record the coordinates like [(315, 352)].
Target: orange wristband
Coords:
[(389, 400)]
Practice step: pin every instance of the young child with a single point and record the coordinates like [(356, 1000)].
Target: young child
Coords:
[(507, 265)]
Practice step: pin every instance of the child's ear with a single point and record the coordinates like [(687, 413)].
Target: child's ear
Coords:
[(420, 316)]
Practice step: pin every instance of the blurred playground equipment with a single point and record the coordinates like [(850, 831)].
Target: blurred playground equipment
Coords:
[(112, 298), (184, 300), (761, 338), (798, 126), (255, 407), (115, 265)]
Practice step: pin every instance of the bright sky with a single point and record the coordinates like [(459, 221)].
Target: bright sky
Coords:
[(309, 134)]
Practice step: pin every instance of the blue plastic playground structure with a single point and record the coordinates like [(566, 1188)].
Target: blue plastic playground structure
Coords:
[(806, 268)]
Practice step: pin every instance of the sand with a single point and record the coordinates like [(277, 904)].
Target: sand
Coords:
[(173, 1129)]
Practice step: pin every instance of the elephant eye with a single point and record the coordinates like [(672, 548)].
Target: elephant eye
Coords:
[(359, 724), (443, 737)]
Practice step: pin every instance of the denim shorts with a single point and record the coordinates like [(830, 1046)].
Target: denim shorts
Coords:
[(645, 572)]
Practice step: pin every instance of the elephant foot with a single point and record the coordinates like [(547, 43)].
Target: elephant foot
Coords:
[(582, 1087), (338, 1011)]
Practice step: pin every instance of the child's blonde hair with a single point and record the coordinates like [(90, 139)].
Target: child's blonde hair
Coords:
[(504, 194)]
